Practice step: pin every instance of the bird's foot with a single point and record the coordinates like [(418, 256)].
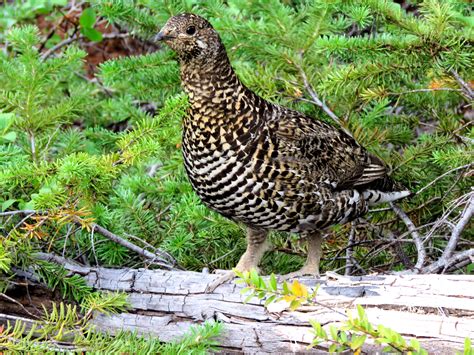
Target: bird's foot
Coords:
[(228, 275), (225, 275), (306, 270)]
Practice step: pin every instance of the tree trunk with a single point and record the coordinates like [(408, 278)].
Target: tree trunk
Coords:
[(437, 309)]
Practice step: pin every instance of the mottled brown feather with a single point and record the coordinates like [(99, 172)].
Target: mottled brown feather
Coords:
[(257, 162)]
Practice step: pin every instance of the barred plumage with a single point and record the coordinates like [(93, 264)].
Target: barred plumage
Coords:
[(261, 164)]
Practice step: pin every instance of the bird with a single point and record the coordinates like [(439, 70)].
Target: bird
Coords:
[(263, 165)]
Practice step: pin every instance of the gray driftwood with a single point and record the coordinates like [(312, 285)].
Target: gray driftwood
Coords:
[(439, 309)]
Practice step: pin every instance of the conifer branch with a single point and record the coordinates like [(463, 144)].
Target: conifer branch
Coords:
[(423, 90), (159, 257)]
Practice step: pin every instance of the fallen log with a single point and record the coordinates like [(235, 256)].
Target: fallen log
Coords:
[(437, 309)]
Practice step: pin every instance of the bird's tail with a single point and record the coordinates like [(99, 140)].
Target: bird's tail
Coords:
[(375, 197), (387, 191)]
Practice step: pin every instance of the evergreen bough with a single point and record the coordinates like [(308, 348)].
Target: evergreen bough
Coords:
[(397, 79)]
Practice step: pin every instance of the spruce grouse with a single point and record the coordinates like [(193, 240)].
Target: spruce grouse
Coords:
[(261, 164)]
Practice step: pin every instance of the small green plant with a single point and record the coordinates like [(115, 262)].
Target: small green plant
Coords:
[(295, 293), (353, 333), (64, 328), (468, 350), (87, 21), (6, 122)]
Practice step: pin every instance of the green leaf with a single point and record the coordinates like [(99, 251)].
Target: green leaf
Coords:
[(332, 348), (273, 282), (6, 120), (343, 337), (315, 324), (295, 304), (470, 269), (286, 289), (248, 298), (7, 204), (87, 19), (269, 300), (92, 34), (333, 332), (415, 344), (10, 136), (361, 312), (467, 346), (238, 273), (58, 2), (254, 278), (245, 290), (358, 341), (318, 329)]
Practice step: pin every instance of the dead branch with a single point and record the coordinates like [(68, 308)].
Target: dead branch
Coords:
[(467, 166), (414, 233), (444, 263), (350, 242), (70, 40), (462, 83), (459, 227), (158, 257), (315, 97)]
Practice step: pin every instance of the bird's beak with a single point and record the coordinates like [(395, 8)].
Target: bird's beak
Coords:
[(163, 35), (159, 37)]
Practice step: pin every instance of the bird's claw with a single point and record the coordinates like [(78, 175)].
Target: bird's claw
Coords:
[(225, 275)]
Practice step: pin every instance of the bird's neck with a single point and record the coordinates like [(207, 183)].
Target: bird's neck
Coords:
[(210, 82)]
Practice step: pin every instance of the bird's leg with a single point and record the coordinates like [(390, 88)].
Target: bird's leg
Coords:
[(311, 266), (256, 246)]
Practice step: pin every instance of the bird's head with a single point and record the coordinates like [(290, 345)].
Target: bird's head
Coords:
[(191, 37)]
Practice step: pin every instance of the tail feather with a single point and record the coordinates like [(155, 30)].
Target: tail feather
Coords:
[(375, 197)]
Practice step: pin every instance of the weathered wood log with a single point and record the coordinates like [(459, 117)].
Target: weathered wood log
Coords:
[(437, 309)]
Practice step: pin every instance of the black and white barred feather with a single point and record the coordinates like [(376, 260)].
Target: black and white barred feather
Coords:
[(262, 164)]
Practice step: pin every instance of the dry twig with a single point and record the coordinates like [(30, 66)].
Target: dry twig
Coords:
[(466, 88), (414, 233), (466, 166), (160, 257), (70, 40), (349, 258), (465, 218), (315, 97), (443, 263)]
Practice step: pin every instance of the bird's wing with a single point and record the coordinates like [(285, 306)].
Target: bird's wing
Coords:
[(332, 154)]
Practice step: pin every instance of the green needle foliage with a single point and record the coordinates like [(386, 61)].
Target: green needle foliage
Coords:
[(389, 75), (64, 328), (398, 80)]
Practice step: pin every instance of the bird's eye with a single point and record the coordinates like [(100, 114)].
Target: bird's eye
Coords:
[(191, 30)]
